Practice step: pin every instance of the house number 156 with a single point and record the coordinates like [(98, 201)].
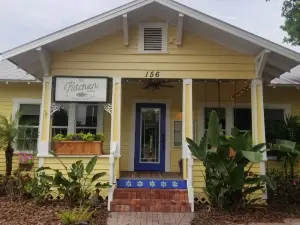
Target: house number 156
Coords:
[(152, 74)]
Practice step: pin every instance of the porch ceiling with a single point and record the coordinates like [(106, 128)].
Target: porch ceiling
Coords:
[(279, 61)]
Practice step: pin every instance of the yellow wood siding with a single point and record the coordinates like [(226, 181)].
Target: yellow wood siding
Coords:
[(11, 91), (196, 58)]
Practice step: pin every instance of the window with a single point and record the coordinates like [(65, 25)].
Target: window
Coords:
[(274, 119), (153, 37), (243, 119), (178, 133), (60, 121), (28, 127), (221, 115), (86, 118)]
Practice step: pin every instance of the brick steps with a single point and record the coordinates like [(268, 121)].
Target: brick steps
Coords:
[(150, 200)]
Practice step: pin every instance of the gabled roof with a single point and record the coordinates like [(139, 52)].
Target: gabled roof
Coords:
[(10, 73), (279, 61)]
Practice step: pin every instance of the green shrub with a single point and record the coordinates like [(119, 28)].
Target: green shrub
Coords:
[(78, 183), (75, 216), (229, 183), (38, 188), (79, 137), (287, 191)]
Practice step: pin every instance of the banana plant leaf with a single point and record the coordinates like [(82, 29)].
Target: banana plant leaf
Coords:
[(213, 131), (269, 182), (97, 176), (254, 157), (237, 177), (90, 166), (198, 151)]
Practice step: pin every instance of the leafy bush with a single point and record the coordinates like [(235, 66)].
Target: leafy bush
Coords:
[(288, 189), (75, 216), (15, 185), (229, 182), (77, 184), (79, 137), (38, 188)]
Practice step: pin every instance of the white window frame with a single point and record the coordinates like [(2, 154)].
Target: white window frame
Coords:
[(230, 114), (16, 107), (163, 26), (195, 136)]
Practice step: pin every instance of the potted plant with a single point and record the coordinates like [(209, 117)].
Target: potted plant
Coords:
[(25, 161), (79, 144)]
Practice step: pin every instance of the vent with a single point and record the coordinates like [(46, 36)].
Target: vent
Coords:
[(153, 39)]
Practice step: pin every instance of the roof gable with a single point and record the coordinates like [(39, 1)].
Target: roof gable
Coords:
[(280, 60)]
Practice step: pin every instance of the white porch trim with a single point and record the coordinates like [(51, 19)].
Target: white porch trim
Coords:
[(168, 127)]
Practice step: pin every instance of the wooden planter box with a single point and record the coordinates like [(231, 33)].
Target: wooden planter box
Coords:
[(78, 148)]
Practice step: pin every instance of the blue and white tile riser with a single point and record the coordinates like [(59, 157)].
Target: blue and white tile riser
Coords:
[(151, 183)]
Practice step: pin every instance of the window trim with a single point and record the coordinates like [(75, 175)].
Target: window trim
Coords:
[(163, 26), (195, 132), (16, 107), (229, 110)]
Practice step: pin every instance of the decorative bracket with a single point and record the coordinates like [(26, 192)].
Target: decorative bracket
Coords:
[(108, 108), (54, 108)]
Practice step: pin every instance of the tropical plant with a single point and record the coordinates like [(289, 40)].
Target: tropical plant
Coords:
[(8, 134), (228, 162), (77, 183), (38, 188), (287, 134), (289, 154), (75, 216), (79, 137)]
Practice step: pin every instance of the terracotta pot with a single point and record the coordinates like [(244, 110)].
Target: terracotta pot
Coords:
[(78, 148)]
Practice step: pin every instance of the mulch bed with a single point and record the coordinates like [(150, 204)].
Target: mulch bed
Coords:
[(204, 214), (28, 212)]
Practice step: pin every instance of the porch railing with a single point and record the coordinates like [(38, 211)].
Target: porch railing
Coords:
[(190, 163), (114, 153)]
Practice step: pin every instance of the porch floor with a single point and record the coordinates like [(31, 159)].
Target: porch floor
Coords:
[(151, 175)]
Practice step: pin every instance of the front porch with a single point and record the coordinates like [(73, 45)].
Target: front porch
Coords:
[(147, 121)]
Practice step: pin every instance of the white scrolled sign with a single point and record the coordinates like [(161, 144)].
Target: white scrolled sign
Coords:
[(81, 89)]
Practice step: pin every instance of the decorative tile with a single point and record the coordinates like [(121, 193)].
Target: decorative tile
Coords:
[(151, 183)]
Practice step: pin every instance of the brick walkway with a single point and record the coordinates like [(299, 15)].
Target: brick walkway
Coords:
[(149, 218), (152, 218)]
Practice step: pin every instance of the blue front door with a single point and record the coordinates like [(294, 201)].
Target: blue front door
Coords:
[(150, 132)]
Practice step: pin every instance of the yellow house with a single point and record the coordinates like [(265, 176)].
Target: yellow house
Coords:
[(147, 75)]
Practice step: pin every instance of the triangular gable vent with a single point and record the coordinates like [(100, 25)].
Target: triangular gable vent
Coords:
[(153, 37)]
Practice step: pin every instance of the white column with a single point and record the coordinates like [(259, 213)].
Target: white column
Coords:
[(45, 118), (72, 118), (187, 131)]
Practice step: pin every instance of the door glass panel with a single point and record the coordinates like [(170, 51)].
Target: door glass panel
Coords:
[(150, 135)]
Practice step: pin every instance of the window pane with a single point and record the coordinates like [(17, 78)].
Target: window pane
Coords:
[(221, 114), (86, 130), (178, 133), (30, 114), (242, 118), (86, 115), (60, 118), (274, 125)]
